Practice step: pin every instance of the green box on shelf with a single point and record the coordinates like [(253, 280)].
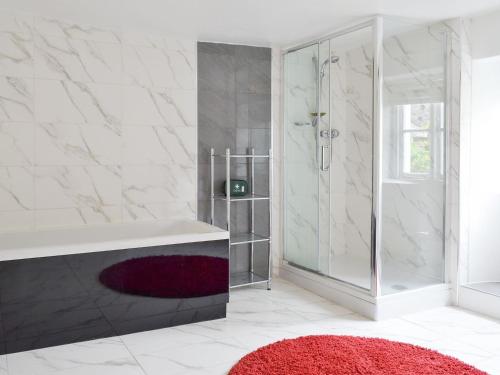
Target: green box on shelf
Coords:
[(238, 188)]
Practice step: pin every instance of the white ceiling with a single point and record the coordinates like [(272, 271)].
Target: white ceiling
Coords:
[(257, 22)]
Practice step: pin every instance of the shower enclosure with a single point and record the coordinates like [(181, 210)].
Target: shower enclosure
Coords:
[(365, 140)]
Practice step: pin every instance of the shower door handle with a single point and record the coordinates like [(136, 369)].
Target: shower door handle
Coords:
[(325, 150)]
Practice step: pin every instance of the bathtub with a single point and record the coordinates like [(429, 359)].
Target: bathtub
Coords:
[(67, 285)]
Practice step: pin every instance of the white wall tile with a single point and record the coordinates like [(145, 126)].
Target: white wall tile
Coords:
[(78, 60), (64, 95), (70, 144), (159, 145), (16, 188), (78, 103), (159, 211), (55, 27), (14, 221), (179, 44), (77, 216), (16, 99), (159, 107), (74, 186), (158, 184), (159, 67), (138, 38), (17, 141), (16, 58), (17, 23)]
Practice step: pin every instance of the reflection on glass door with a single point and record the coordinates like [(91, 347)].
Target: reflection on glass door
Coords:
[(301, 204), (352, 157)]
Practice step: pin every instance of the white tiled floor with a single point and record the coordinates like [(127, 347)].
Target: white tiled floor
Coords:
[(258, 317)]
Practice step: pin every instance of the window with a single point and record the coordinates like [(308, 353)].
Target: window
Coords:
[(421, 140)]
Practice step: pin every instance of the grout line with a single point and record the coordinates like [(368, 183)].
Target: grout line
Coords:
[(132, 355)]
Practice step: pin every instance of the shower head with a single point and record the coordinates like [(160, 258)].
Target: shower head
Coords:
[(332, 60)]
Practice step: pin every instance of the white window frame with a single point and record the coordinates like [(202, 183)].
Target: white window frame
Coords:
[(436, 134)]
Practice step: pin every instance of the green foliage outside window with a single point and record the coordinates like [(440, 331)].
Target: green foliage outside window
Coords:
[(420, 154)]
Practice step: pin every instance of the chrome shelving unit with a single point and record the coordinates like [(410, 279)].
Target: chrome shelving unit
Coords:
[(250, 277)]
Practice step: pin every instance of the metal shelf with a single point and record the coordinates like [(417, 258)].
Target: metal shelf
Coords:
[(251, 197), (244, 156), (244, 238), (251, 238), (239, 279)]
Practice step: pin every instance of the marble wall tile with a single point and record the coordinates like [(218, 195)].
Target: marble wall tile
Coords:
[(77, 216), (159, 211), (179, 44), (159, 145), (16, 58), (159, 67), (16, 144), (16, 188), (139, 38), (16, 23), (158, 183), (56, 27), (77, 60), (96, 125), (11, 221), (16, 99), (75, 186), (159, 107), (71, 144), (78, 103)]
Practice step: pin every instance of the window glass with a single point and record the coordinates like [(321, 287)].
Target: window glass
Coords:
[(421, 140)]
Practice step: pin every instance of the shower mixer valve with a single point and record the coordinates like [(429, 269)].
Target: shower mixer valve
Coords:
[(333, 133)]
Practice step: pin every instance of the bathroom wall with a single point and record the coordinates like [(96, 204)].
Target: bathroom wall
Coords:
[(482, 28), (483, 183), (484, 194), (234, 111), (96, 126)]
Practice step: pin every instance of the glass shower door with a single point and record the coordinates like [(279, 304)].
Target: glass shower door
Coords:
[(352, 156), (328, 156), (301, 166)]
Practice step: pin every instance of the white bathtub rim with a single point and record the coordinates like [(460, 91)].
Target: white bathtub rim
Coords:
[(67, 241)]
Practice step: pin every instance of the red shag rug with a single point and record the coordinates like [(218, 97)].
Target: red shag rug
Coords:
[(173, 276), (348, 355)]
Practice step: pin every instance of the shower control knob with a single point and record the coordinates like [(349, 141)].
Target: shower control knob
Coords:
[(333, 133)]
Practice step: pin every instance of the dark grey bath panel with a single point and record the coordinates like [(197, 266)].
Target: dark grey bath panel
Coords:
[(61, 299)]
